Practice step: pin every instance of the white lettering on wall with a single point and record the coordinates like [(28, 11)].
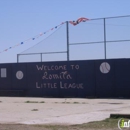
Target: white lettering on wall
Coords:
[(52, 67), (62, 75)]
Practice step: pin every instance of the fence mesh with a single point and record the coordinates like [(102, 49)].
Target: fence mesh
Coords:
[(88, 40)]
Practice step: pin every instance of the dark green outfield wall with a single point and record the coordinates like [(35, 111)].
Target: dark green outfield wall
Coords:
[(90, 78)]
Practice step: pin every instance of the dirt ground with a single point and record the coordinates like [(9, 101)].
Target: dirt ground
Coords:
[(58, 114)]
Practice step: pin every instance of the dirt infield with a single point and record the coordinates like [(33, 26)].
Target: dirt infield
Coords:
[(66, 111)]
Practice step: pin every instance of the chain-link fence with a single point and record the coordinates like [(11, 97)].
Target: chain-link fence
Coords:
[(102, 38)]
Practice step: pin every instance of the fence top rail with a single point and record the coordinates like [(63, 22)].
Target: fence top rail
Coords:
[(100, 42), (110, 17), (42, 53)]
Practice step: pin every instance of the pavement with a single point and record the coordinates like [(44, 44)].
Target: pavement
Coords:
[(65, 111)]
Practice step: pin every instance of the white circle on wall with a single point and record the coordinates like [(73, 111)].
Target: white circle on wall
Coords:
[(19, 74), (105, 68)]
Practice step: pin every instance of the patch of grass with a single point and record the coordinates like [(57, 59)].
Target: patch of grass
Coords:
[(66, 102), (84, 103), (34, 102), (109, 123), (53, 127), (76, 102), (42, 102), (105, 124), (116, 103), (34, 110), (31, 101)]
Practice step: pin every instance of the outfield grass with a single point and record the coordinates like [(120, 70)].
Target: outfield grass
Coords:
[(109, 123)]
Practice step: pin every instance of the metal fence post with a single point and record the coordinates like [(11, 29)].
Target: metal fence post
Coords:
[(41, 57), (105, 38), (67, 34), (17, 58)]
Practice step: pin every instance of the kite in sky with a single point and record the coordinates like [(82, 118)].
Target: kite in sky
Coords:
[(78, 21)]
